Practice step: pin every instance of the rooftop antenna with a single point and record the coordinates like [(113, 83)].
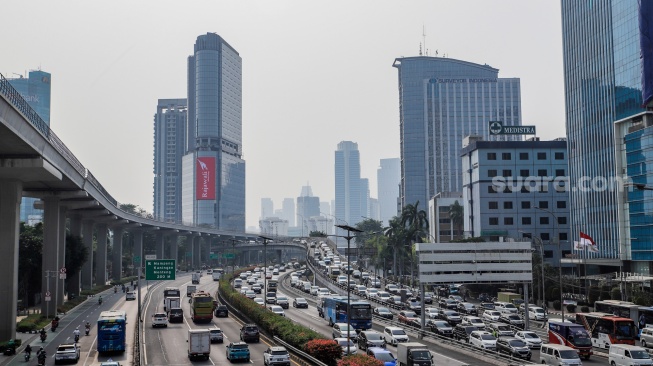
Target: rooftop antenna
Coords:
[(424, 40), (420, 48)]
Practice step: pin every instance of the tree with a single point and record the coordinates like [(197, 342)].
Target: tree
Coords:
[(456, 214), (30, 254), (368, 226), (317, 234), (76, 256), (415, 220), (396, 233)]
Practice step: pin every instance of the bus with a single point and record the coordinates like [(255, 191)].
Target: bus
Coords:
[(607, 329), (171, 292), (625, 309), (111, 331), (201, 306), (335, 310), (571, 335)]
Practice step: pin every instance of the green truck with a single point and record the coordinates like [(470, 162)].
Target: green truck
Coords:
[(507, 297)]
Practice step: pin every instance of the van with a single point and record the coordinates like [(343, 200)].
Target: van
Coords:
[(627, 355), (646, 337), (559, 355)]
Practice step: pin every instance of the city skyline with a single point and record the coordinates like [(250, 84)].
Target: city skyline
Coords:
[(295, 107)]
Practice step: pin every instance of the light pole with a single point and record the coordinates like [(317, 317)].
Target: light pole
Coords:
[(555, 235), (233, 253), (265, 265), (533, 238), (348, 237)]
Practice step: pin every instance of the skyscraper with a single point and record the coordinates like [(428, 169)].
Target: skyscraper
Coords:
[(267, 208), (35, 89), (213, 169), (388, 178), (602, 66), (288, 209), (442, 100), (308, 206), (169, 147), (348, 183)]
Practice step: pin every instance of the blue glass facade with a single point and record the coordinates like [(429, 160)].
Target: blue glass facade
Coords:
[(441, 101), (602, 85), (639, 153), (348, 183)]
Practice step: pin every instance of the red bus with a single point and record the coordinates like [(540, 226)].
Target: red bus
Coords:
[(571, 335), (607, 329)]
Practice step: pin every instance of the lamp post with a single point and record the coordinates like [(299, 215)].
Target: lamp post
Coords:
[(541, 263), (233, 252), (265, 265), (349, 237), (555, 235)]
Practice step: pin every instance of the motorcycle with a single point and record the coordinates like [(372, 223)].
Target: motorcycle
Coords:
[(43, 337), (115, 290), (41, 359), (88, 330), (54, 326), (27, 356), (99, 301), (76, 338)]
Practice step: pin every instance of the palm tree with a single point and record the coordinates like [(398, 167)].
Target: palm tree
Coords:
[(395, 233), (417, 223), (456, 215)]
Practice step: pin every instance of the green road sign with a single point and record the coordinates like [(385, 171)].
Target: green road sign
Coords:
[(214, 256), (229, 255), (160, 269), (137, 259)]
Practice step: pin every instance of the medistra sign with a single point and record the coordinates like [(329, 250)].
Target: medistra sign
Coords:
[(497, 128), (205, 178)]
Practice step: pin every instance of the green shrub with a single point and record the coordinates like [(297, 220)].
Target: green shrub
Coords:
[(360, 360), (585, 309), (595, 294), (553, 293), (325, 350), (556, 305), (571, 308), (615, 293)]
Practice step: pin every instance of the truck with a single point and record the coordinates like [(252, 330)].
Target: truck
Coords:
[(199, 343), (216, 275), (190, 289), (507, 296), (413, 354), (195, 278), (171, 302)]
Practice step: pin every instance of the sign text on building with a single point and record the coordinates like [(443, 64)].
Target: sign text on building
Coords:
[(497, 128)]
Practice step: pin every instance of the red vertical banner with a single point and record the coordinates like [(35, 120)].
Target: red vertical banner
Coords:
[(205, 178)]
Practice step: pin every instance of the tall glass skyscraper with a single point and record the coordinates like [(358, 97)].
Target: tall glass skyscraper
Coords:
[(348, 184), (442, 100), (35, 89), (388, 176), (213, 179), (602, 69)]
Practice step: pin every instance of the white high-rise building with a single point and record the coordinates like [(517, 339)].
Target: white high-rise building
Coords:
[(267, 208), (388, 177)]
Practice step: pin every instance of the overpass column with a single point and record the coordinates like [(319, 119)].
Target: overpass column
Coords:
[(10, 195), (160, 241), (174, 248), (75, 231), (101, 259), (116, 254), (50, 260), (138, 249), (196, 252), (62, 254), (87, 268)]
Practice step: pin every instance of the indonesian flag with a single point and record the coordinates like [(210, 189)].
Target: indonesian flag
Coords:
[(587, 241)]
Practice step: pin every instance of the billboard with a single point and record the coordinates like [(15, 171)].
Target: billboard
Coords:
[(205, 178)]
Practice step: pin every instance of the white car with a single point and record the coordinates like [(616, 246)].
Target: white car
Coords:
[(491, 315), (347, 345), (432, 313), (259, 301), (130, 296), (394, 335), (383, 296), (483, 339), (475, 321), (276, 356), (66, 353), (314, 290), (159, 320), (371, 292), (277, 310), (531, 339), (342, 280)]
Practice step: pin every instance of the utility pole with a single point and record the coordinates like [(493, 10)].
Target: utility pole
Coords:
[(48, 275)]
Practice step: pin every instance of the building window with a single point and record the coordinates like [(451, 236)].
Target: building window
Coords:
[(507, 173), (561, 204), (493, 205), (507, 205), (541, 156), (506, 156), (525, 220), (525, 204), (544, 220), (491, 189), (507, 220), (525, 189), (523, 156), (562, 236), (544, 236), (548, 254), (543, 204), (562, 220), (560, 172), (491, 173), (494, 221), (541, 172), (544, 188), (524, 173), (560, 156), (491, 156)]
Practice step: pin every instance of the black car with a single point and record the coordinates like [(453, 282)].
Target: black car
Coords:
[(221, 311), (461, 332), (488, 306), (383, 312), (250, 332), (428, 298), (300, 302), (512, 319), (440, 327), (514, 347), (176, 315), (467, 308), (448, 304), (370, 338)]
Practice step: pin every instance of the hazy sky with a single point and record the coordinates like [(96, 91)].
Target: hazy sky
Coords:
[(314, 73)]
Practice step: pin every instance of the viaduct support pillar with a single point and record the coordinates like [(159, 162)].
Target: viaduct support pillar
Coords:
[(62, 255), (116, 254), (50, 260), (101, 259), (87, 268), (138, 250), (10, 196), (73, 281), (160, 241)]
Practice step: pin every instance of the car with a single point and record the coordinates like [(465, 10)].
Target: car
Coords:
[(394, 335), (530, 338), (352, 286), (513, 347), (383, 312), (491, 315), (175, 315), (159, 320), (348, 346), (250, 332), (415, 305), (512, 319), (450, 316), (487, 306), (382, 355), (238, 351), (428, 298), (277, 355), (370, 338), (216, 335), (313, 290), (536, 313), (505, 307), (343, 330), (277, 310), (131, 295), (257, 288), (467, 308), (432, 313), (365, 276), (395, 299), (392, 288), (645, 337), (461, 332), (456, 298), (407, 317), (482, 339), (440, 327), (110, 363), (66, 353), (259, 301), (500, 330), (282, 301), (221, 311), (362, 289), (342, 280), (250, 294), (384, 296), (448, 304), (375, 283), (300, 302), (271, 297), (473, 320)]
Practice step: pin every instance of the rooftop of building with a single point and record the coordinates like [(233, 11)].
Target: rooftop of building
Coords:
[(559, 143), (399, 60)]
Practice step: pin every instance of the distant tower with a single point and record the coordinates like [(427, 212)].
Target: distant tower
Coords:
[(307, 206), (388, 178), (288, 209), (267, 208), (348, 183)]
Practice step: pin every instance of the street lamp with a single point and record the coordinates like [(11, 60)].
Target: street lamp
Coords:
[(532, 237), (555, 235), (265, 265), (349, 237)]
